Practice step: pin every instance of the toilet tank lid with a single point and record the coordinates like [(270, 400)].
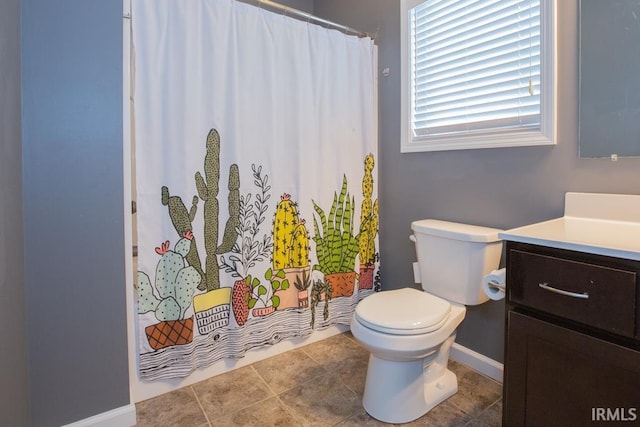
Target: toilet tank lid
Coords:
[(456, 231)]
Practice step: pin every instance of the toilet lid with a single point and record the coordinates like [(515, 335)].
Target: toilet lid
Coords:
[(404, 311)]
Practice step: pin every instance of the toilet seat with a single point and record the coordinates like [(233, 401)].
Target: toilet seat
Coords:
[(405, 311)]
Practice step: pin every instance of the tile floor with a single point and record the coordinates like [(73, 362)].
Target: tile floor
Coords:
[(320, 384)]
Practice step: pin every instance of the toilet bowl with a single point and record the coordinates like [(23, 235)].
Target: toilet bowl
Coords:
[(409, 332), (398, 387)]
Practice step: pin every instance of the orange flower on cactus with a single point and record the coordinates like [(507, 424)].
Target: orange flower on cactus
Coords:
[(163, 249)]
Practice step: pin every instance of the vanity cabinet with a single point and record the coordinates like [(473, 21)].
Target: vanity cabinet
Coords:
[(572, 345)]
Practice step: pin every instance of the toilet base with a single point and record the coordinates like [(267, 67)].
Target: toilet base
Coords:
[(400, 392)]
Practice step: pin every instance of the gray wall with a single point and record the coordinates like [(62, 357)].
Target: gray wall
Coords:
[(72, 178), (501, 187), (73, 208), (14, 409)]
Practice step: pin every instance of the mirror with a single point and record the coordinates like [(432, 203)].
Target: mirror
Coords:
[(609, 51)]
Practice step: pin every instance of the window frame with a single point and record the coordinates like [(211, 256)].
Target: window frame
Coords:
[(495, 138)]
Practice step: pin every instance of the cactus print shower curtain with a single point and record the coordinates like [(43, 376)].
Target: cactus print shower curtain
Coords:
[(255, 168)]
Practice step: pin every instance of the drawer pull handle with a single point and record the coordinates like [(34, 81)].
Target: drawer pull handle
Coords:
[(546, 286)]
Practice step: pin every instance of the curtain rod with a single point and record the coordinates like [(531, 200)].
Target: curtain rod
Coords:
[(302, 14)]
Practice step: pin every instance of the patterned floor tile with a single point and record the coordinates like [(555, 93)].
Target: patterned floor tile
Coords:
[(475, 392), (323, 401), (177, 408), (491, 417), (362, 419), (288, 370), (335, 350), (443, 415), (225, 394), (269, 412), (320, 384)]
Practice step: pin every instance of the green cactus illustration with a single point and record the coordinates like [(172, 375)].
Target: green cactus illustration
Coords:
[(249, 248), (208, 189), (175, 283), (182, 222), (368, 215), (336, 245), (290, 236)]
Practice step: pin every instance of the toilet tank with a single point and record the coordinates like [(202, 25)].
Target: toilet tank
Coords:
[(453, 258)]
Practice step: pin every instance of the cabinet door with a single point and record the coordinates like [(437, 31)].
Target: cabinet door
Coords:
[(559, 377)]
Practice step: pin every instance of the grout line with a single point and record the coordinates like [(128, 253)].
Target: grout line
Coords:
[(273, 394), (257, 402), (277, 396), (310, 357), (496, 402), (289, 410), (355, 393), (491, 405), (352, 390), (328, 372), (263, 380), (206, 417), (480, 414), (295, 385)]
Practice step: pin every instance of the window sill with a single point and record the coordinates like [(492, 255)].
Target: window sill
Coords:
[(471, 142)]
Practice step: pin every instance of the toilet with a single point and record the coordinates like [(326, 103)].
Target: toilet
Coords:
[(409, 332)]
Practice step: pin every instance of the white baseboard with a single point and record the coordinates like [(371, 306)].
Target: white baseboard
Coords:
[(125, 416), (477, 361)]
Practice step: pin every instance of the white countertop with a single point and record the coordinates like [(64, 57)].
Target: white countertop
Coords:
[(604, 224), (612, 238)]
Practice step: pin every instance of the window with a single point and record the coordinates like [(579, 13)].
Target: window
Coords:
[(477, 74)]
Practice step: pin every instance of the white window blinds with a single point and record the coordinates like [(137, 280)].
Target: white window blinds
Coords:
[(475, 66)]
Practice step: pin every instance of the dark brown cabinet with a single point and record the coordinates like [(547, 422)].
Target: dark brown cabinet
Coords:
[(572, 353)]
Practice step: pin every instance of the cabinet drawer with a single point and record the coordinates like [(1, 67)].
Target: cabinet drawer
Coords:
[(595, 295)]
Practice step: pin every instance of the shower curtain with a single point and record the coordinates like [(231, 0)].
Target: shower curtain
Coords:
[(255, 166)]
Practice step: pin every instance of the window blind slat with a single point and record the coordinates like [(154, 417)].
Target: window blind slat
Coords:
[(517, 89), (496, 107), (494, 59), (472, 24), (486, 125)]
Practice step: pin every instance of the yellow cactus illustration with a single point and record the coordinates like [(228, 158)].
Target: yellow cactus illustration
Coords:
[(368, 215), (290, 236), (299, 250)]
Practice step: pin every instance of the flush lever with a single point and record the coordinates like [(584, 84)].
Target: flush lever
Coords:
[(547, 287)]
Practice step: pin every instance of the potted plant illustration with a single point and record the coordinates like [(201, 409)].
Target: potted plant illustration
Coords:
[(290, 250), (169, 299), (321, 290), (248, 249), (368, 227), (212, 308), (302, 284), (263, 299), (336, 245)]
